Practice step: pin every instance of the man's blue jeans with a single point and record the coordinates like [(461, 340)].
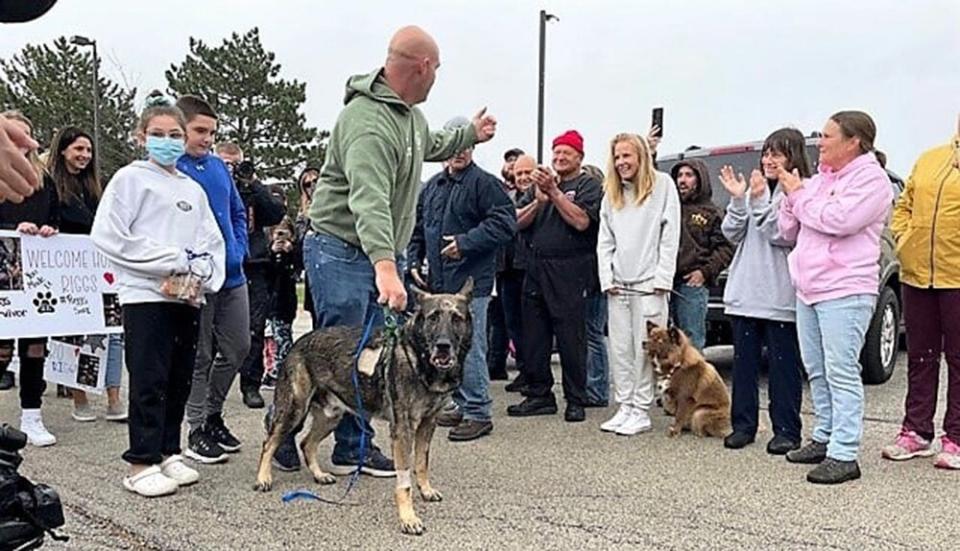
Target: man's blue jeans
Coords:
[(345, 293), (598, 369), (473, 396), (831, 335), (688, 310)]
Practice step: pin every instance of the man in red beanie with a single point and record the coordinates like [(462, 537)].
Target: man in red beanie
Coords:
[(560, 216)]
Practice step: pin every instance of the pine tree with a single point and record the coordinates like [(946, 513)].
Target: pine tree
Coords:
[(53, 87), (256, 108)]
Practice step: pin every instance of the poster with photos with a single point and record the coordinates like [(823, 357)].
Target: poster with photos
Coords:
[(77, 362), (60, 285)]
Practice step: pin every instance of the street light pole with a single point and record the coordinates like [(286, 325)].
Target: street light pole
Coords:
[(84, 41), (544, 17)]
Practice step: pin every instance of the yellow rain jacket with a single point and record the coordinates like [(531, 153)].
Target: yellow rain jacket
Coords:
[(926, 221)]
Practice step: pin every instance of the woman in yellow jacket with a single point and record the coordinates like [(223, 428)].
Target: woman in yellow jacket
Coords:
[(925, 224)]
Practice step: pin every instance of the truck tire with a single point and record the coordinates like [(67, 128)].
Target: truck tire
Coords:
[(879, 354)]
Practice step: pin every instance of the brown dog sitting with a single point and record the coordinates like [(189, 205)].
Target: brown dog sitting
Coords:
[(696, 393)]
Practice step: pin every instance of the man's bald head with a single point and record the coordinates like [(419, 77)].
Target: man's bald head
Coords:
[(523, 169), (413, 58), (412, 42)]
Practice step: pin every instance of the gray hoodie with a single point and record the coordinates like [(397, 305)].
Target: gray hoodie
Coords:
[(637, 245), (758, 284)]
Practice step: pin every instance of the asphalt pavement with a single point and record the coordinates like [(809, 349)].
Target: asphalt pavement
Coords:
[(534, 483)]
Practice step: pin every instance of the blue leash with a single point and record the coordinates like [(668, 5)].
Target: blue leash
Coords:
[(392, 325)]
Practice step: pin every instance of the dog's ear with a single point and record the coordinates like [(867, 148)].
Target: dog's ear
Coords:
[(419, 296), (651, 326), (674, 334), (467, 290)]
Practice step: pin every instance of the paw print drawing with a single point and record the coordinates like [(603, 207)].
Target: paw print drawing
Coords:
[(45, 303)]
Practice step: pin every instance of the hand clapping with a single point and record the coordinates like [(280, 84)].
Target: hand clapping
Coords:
[(790, 181), (735, 185)]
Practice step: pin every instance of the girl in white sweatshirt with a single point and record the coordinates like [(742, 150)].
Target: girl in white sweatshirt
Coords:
[(637, 255), (156, 227)]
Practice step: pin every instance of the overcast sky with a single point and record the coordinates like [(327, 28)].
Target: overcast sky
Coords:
[(725, 71)]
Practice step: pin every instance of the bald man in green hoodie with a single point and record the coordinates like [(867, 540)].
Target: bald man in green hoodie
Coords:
[(364, 207)]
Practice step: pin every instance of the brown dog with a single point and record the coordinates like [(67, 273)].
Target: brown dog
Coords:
[(696, 394)]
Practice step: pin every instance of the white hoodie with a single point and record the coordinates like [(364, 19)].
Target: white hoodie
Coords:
[(637, 245), (149, 224)]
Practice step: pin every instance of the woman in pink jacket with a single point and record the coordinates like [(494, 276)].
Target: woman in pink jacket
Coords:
[(837, 217)]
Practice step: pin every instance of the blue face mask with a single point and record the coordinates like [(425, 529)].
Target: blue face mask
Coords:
[(165, 151)]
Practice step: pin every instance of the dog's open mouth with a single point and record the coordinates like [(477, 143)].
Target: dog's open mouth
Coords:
[(441, 360)]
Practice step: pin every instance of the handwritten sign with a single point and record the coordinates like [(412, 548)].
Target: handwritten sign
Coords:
[(59, 285), (78, 362)]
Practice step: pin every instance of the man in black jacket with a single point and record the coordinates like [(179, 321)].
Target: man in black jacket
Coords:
[(263, 210), (463, 218)]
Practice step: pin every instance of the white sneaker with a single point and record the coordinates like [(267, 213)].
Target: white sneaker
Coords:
[(614, 423), (31, 424), (637, 422), (173, 467)]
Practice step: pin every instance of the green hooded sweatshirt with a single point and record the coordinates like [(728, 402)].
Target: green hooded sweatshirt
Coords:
[(367, 193)]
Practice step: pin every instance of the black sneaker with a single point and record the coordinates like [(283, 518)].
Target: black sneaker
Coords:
[(287, 458), (269, 383), (470, 429), (780, 445), (6, 381), (202, 448), (813, 452), (376, 464), (251, 397), (533, 406), (574, 413), (738, 440), (832, 471), (220, 434)]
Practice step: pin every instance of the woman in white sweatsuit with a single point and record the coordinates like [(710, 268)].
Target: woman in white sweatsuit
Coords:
[(637, 255), (157, 229)]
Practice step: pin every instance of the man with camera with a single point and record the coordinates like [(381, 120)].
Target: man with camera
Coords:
[(263, 211), (28, 511)]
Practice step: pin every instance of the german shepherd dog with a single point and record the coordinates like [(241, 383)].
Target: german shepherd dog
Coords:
[(407, 386), (696, 394)]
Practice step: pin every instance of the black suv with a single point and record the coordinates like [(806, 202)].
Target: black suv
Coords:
[(879, 354)]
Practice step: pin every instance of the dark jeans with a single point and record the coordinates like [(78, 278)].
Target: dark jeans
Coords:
[(346, 296), (785, 378), (160, 346), (260, 293), (497, 339), (932, 317), (554, 306), (32, 359)]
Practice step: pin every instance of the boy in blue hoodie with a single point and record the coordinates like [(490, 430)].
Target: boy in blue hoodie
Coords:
[(225, 318)]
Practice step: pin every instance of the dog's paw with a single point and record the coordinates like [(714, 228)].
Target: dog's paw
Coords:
[(263, 486), (429, 494), (673, 431), (325, 479), (412, 526)]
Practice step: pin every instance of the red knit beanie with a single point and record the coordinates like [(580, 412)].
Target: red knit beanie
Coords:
[(570, 138)]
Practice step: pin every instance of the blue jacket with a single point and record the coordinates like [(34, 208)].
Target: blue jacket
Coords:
[(214, 177), (471, 206)]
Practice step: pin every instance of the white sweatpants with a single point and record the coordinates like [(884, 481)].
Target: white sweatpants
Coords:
[(633, 377)]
